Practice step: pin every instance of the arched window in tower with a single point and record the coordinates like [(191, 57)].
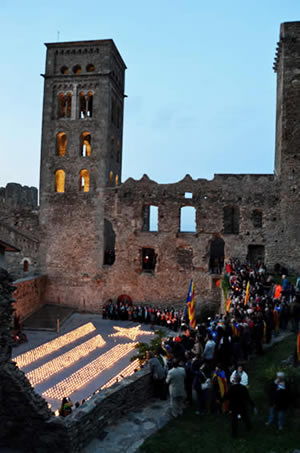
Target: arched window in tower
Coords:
[(118, 151), (111, 177), (117, 180), (84, 182), (61, 143), (64, 105), (26, 266), (86, 105), (60, 177), (90, 104), (69, 104), (85, 145), (61, 105)]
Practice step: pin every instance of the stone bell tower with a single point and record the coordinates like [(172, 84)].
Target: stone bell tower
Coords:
[(287, 155), (81, 156)]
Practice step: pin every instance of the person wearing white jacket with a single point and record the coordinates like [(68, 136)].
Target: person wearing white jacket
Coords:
[(175, 379), (243, 375)]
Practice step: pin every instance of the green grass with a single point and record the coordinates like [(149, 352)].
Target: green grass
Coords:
[(212, 433)]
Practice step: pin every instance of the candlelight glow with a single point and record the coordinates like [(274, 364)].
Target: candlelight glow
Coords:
[(56, 365), (132, 333), (128, 371), (89, 372), (41, 351)]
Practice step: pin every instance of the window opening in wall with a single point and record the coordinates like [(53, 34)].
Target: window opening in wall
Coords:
[(118, 151), (216, 257), (188, 219), (256, 253), (109, 243), (256, 218), (77, 69), (84, 181), (64, 70), (231, 220), (85, 105), (61, 143), (61, 106), (90, 68), (86, 144), (148, 260), (60, 177), (150, 218), (117, 180), (26, 266), (111, 177), (188, 194), (69, 104)]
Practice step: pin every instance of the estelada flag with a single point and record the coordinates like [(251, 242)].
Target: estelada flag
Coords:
[(228, 304), (191, 305), (298, 347), (247, 293)]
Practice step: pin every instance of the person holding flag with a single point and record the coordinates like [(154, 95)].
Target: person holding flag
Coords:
[(190, 311), (247, 295)]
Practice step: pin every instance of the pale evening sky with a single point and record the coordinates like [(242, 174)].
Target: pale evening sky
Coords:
[(200, 85)]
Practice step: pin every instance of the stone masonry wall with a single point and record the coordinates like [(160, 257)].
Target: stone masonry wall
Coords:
[(29, 295)]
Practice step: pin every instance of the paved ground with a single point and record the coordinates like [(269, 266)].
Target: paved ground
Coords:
[(129, 433), (46, 317), (103, 328)]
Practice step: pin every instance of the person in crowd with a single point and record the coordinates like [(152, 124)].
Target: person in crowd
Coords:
[(239, 399), (242, 374), (66, 407), (175, 379), (279, 399), (158, 374)]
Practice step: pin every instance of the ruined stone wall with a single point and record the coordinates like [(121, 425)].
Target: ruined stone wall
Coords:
[(28, 247), (17, 197), (23, 413), (29, 295)]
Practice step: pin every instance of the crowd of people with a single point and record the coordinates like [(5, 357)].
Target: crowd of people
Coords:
[(208, 362), (205, 366), (148, 314)]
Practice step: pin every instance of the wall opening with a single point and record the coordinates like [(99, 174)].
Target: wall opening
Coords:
[(150, 218), (255, 253), (26, 266), (256, 218), (84, 181), (60, 177), (85, 144), (188, 195), (231, 220), (109, 243), (148, 260), (111, 178), (188, 219), (216, 256), (90, 68), (117, 180), (85, 105), (61, 143)]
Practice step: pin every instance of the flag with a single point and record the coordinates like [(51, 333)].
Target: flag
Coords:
[(228, 304), (298, 347), (191, 305), (247, 293)]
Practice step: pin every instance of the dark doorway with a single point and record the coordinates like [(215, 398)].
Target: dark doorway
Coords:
[(216, 257), (256, 253)]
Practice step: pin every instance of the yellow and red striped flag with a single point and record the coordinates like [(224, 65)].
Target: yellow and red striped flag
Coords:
[(298, 347), (247, 295), (191, 305), (228, 305)]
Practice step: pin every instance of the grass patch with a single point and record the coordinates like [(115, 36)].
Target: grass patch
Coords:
[(212, 433)]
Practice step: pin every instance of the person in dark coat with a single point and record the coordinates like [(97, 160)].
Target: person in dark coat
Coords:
[(279, 399), (239, 400)]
